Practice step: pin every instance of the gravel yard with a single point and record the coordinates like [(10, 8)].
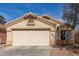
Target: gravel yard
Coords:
[(64, 51)]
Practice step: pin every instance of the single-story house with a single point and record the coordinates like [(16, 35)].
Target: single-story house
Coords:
[(33, 30)]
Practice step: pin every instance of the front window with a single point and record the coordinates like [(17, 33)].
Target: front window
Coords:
[(30, 21), (65, 35)]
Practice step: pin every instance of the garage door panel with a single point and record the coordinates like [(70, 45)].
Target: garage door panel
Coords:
[(29, 37)]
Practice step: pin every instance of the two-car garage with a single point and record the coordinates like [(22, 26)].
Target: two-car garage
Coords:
[(31, 37)]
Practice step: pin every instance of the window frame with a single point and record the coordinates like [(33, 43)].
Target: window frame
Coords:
[(65, 31)]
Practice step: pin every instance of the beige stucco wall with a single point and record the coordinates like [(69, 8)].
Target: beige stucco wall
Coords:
[(9, 38), (23, 24)]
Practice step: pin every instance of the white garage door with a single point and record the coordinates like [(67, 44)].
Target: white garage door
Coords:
[(30, 37)]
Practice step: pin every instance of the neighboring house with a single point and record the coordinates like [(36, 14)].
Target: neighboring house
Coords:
[(2, 34), (33, 30)]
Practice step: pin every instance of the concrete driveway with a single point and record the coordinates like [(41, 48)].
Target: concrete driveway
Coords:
[(25, 51)]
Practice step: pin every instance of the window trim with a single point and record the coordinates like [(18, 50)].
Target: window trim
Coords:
[(30, 23)]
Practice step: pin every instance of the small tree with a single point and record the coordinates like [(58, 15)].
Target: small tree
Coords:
[(2, 20), (71, 13)]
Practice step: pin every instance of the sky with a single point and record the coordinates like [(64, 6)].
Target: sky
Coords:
[(12, 11)]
